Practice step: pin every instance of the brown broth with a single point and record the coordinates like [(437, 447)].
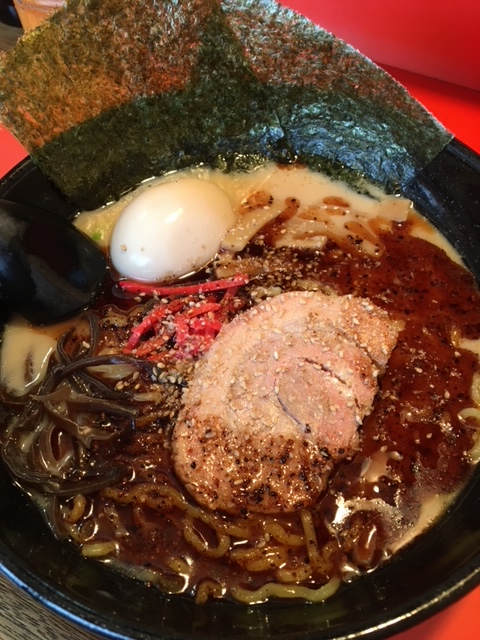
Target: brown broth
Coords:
[(413, 446)]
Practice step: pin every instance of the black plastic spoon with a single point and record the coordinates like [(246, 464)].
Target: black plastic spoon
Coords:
[(49, 270)]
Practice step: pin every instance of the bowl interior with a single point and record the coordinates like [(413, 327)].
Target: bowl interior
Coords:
[(434, 571)]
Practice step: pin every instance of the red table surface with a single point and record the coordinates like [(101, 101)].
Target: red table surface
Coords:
[(457, 107)]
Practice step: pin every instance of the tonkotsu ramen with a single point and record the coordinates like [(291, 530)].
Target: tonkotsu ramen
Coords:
[(277, 390)]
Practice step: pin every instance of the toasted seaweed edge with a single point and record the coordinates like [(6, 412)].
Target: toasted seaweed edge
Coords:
[(227, 117), (152, 135)]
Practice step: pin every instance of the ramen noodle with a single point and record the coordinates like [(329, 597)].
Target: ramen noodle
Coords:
[(111, 421)]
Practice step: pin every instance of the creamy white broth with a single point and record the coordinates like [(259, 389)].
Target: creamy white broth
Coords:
[(281, 183), (312, 186), (25, 354)]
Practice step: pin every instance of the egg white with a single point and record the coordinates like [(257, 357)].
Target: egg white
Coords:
[(170, 230)]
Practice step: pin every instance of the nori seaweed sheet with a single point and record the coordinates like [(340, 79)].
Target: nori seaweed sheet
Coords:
[(140, 87)]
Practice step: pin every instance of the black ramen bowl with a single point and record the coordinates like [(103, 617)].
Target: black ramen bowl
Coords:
[(434, 571)]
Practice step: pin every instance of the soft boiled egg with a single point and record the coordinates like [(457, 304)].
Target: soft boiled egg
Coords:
[(170, 230)]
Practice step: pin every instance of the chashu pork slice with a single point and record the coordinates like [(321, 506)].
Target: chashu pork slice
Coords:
[(279, 399)]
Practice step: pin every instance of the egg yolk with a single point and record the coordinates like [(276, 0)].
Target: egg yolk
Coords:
[(170, 230)]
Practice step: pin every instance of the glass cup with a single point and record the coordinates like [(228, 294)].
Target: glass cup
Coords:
[(33, 12)]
